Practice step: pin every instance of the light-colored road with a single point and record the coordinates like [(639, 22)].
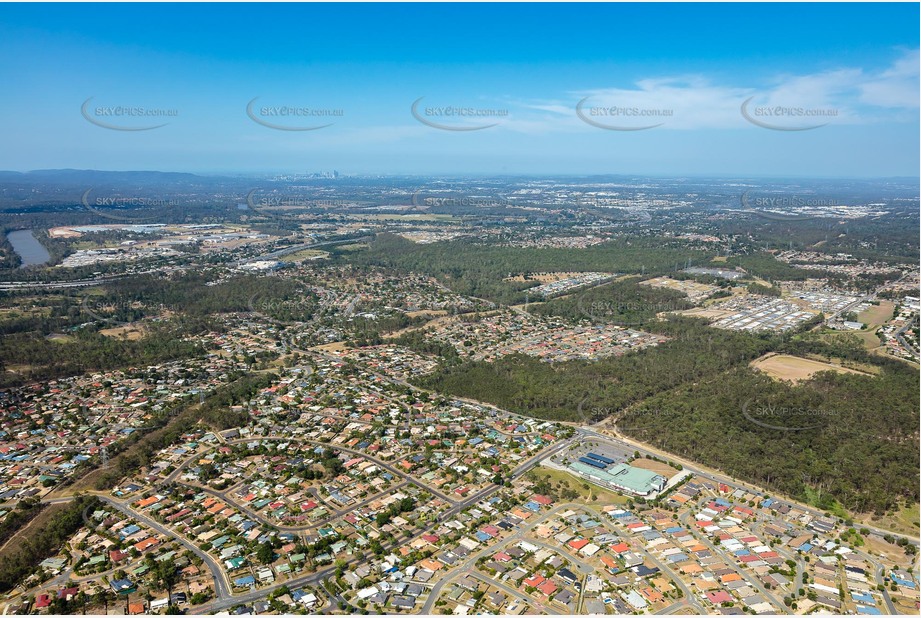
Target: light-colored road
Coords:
[(622, 442), (221, 582)]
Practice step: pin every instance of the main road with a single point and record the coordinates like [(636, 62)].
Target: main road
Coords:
[(621, 441)]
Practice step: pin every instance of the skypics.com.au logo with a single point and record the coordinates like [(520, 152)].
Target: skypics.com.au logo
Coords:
[(769, 415), (626, 420), (130, 118), (621, 117), (296, 118), (289, 206), (424, 201), (456, 117), (621, 310), (114, 313), (784, 207), (786, 118), (116, 207)]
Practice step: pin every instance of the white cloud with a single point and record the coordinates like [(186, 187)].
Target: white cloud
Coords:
[(896, 87), (855, 95)]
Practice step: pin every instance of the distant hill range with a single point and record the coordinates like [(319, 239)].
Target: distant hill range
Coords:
[(91, 177)]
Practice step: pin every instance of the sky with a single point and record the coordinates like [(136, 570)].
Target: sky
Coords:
[(821, 90)]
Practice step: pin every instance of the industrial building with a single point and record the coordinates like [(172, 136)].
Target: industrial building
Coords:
[(620, 477)]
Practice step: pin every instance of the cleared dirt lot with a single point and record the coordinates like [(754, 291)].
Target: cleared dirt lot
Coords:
[(655, 466), (129, 332), (794, 368), (332, 348), (710, 314)]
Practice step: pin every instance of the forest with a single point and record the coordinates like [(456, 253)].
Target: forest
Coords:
[(478, 270), (846, 438), (28, 357), (51, 335), (555, 391), (19, 562)]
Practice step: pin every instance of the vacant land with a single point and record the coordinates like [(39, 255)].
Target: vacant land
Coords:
[(874, 317), (587, 492), (655, 466), (59, 338), (877, 315), (905, 520), (868, 337), (794, 368), (306, 254), (42, 519), (129, 332), (708, 314), (435, 322), (426, 313), (332, 348)]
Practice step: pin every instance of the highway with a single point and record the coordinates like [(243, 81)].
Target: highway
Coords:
[(274, 255), (9, 286)]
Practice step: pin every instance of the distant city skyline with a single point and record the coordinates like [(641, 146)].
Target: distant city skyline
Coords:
[(758, 90)]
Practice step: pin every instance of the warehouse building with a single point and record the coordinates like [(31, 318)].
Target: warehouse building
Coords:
[(622, 477)]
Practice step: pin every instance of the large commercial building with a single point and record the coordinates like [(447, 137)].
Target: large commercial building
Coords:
[(622, 477)]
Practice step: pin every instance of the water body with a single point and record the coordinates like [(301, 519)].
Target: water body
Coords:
[(30, 251)]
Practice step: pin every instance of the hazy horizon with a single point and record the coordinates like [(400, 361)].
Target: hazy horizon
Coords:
[(756, 90)]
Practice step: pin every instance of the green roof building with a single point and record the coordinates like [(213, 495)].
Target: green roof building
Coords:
[(623, 477)]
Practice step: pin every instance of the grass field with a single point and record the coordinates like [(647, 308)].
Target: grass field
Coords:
[(60, 338), (306, 254), (877, 315), (129, 332), (874, 317), (868, 337), (331, 348), (904, 521), (564, 480), (794, 368)]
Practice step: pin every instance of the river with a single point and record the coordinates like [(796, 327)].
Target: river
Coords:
[(30, 251)]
